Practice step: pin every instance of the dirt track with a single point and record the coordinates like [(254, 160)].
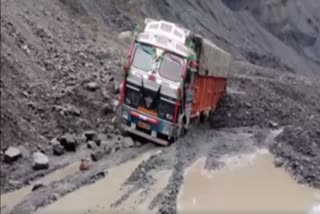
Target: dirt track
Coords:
[(51, 50)]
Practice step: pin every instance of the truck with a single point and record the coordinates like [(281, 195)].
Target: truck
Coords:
[(173, 79)]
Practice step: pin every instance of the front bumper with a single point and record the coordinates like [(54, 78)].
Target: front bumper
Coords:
[(144, 135), (160, 126)]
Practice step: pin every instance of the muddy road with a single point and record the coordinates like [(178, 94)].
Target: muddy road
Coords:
[(60, 75), (177, 179)]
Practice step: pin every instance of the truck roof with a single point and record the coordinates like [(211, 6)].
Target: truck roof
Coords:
[(166, 35)]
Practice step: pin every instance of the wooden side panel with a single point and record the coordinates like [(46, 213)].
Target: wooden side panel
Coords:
[(208, 92)]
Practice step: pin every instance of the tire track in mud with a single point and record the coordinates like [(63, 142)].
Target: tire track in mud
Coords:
[(200, 142)]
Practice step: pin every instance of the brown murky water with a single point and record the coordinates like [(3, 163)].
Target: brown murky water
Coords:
[(9, 200), (98, 197), (249, 184)]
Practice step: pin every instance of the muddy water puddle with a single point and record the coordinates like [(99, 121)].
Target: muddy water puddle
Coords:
[(9, 200), (99, 197), (248, 184)]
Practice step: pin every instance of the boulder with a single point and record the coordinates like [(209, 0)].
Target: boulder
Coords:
[(40, 161), (12, 154), (58, 149), (69, 142)]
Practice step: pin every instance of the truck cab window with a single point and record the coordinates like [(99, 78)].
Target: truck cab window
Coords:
[(171, 67), (143, 57)]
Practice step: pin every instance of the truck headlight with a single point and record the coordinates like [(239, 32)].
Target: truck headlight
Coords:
[(167, 129)]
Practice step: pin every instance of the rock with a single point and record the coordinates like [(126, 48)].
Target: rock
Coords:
[(69, 142), (41, 148), (101, 138), (107, 108), (116, 104), (128, 142), (40, 161), (90, 135), (116, 87), (108, 150), (273, 124), (137, 144), (53, 142), (91, 145), (58, 149), (92, 86), (84, 165), (37, 186), (72, 110), (15, 183), (278, 162), (114, 120), (12, 154), (96, 156)]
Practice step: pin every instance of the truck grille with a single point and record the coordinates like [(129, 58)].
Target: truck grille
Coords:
[(149, 102)]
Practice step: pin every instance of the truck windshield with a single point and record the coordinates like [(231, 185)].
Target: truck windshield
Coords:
[(143, 57), (171, 67)]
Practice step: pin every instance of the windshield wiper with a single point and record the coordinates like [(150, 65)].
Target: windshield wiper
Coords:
[(145, 49)]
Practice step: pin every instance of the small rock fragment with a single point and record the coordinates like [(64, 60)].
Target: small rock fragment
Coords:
[(278, 162), (58, 149), (92, 86), (116, 87), (40, 161), (128, 142), (91, 145), (137, 144), (273, 124), (108, 150), (107, 108), (114, 120), (116, 104), (37, 186), (84, 165), (15, 183), (96, 156), (53, 142), (90, 135), (12, 154)]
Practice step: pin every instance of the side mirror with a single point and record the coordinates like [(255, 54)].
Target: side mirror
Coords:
[(193, 66)]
